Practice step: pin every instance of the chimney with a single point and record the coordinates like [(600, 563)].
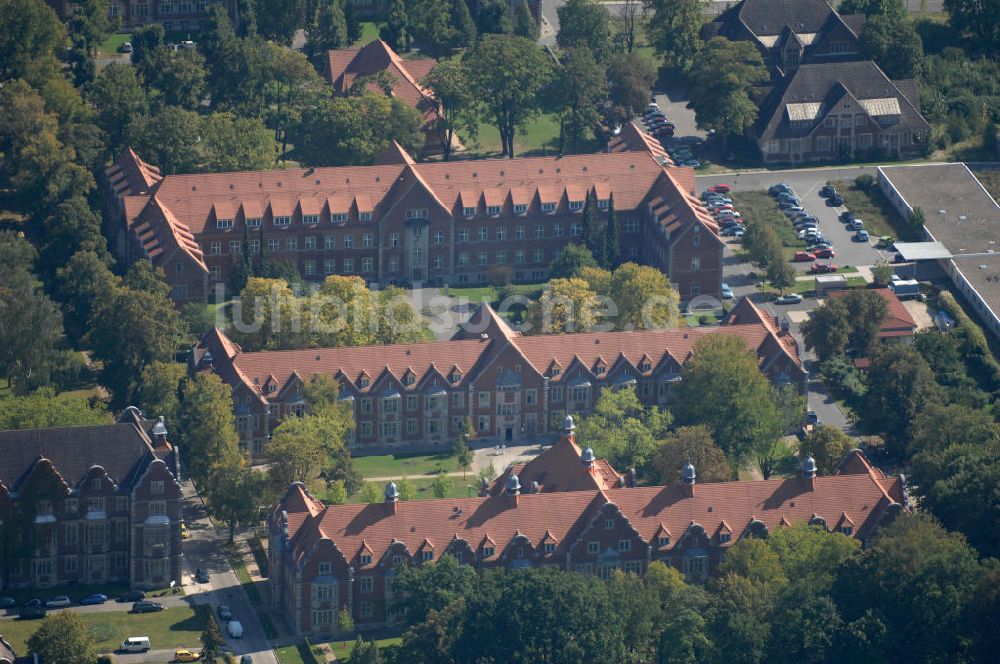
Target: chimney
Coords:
[(160, 435), (688, 476), (484, 488), (808, 472), (569, 429), (392, 496), (514, 488)]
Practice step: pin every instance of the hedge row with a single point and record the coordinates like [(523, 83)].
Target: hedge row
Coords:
[(975, 347)]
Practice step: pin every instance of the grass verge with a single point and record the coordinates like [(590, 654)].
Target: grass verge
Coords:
[(343, 649), (876, 211), (243, 574), (178, 627), (110, 45), (395, 465), (758, 207)]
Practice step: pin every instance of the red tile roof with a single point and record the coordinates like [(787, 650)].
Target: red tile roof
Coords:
[(560, 468), (899, 322), (859, 499)]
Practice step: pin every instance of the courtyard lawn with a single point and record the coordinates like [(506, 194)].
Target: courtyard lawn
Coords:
[(110, 45), (758, 207), (476, 294), (540, 137), (458, 488), (397, 465), (369, 32), (343, 649), (295, 654), (167, 629)]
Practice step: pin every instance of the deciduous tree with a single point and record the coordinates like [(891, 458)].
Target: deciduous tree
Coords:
[(459, 108), (573, 258), (508, 73), (828, 446), (692, 445), (724, 102), (566, 305), (120, 100), (206, 430), (673, 30), (585, 24), (631, 76), (644, 298), (578, 85), (63, 637), (622, 430), (828, 329), (525, 24), (277, 19)]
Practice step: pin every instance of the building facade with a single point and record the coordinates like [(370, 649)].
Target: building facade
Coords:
[(511, 387), (326, 558), (841, 111), (175, 15), (402, 222), (94, 505)]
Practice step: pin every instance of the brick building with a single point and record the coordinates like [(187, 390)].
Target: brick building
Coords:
[(95, 504), (343, 67), (790, 33), (402, 222), (175, 15), (837, 111), (512, 387), (324, 558)]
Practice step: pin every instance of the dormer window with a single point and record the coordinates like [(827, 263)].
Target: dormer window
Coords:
[(310, 219), (602, 204), (469, 212), (725, 537), (366, 559), (427, 555), (338, 217), (663, 540), (599, 369), (282, 221), (223, 224), (364, 216), (364, 381), (253, 222), (416, 213), (520, 209), (575, 206), (555, 371), (409, 379), (493, 210), (847, 530), (456, 376), (548, 207), (646, 366), (488, 551)]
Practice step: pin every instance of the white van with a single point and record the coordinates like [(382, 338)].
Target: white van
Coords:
[(235, 629), (135, 644)]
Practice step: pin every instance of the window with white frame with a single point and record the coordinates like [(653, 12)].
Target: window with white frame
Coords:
[(521, 209), (463, 235), (309, 267), (223, 224), (366, 241), (416, 213), (310, 242), (253, 222), (593, 547), (695, 263), (484, 234), (235, 247), (557, 230), (338, 217), (468, 212), (548, 207), (493, 210), (439, 237), (367, 264), (282, 221), (329, 266), (630, 226), (310, 219), (367, 584), (519, 232), (292, 244), (602, 204), (215, 249), (364, 216), (575, 206)]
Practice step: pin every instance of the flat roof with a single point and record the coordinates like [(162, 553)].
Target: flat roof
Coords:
[(961, 215), (922, 251)]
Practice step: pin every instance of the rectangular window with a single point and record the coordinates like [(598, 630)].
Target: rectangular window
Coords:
[(272, 245), (310, 219), (411, 426), (215, 249), (550, 547), (367, 265), (348, 265), (439, 237), (864, 141), (155, 487), (366, 241), (631, 226), (557, 394), (493, 210), (338, 217), (602, 204), (624, 545), (366, 406), (69, 535), (412, 402), (519, 256), (223, 224), (463, 235), (427, 555), (364, 216), (309, 268), (310, 242), (329, 241), (394, 239), (253, 222), (695, 264), (538, 256), (501, 258), (463, 259), (329, 266), (519, 232), (366, 609), (282, 221), (575, 206), (576, 230), (324, 592), (416, 213), (483, 258), (469, 212), (593, 547), (367, 584), (157, 508), (95, 505), (291, 244), (633, 566), (348, 241), (72, 565), (324, 568), (235, 247), (501, 232)]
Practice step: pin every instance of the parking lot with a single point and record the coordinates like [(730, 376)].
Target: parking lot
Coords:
[(807, 184)]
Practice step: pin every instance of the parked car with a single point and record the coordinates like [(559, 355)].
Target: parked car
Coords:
[(785, 195), (664, 131), (804, 257), (860, 236), (7, 602), (187, 44), (812, 417), (201, 576), (786, 203), (692, 163), (125, 48), (790, 298), (146, 607), (727, 292), (90, 600), (827, 190), (720, 188), (793, 210), (856, 225), (825, 252), (834, 201), (235, 629), (246, 659), (225, 613), (33, 603), (185, 655), (818, 246), (135, 644), (776, 189), (134, 596), (57, 602), (846, 216), (32, 612), (823, 268), (886, 242)]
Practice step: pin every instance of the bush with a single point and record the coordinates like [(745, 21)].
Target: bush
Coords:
[(105, 659), (975, 348), (864, 182), (842, 376)]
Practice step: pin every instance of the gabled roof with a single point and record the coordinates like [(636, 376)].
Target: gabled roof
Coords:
[(130, 175), (559, 468), (826, 84), (898, 323), (345, 65), (122, 449), (563, 517)]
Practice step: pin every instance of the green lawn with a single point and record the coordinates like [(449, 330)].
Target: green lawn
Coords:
[(872, 207), (110, 45), (343, 649), (396, 465), (292, 654), (243, 574), (369, 32), (758, 207), (179, 627), (489, 293), (540, 137), (422, 486)]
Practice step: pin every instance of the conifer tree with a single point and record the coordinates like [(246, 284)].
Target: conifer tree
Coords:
[(524, 23), (462, 24), (354, 29), (592, 236), (612, 245), (396, 31)]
